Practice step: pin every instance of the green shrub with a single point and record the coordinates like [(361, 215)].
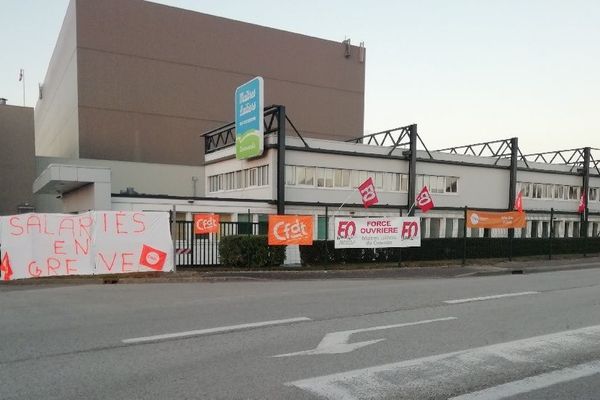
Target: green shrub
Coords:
[(250, 251)]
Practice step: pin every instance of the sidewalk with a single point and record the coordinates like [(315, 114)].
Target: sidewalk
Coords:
[(412, 270)]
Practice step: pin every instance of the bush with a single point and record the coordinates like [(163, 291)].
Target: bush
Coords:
[(250, 251)]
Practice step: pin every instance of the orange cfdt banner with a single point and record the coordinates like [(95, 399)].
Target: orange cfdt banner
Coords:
[(490, 219), (206, 223), (290, 229)]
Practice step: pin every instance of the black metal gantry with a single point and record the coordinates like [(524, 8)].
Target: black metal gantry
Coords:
[(582, 162), (275, 119)]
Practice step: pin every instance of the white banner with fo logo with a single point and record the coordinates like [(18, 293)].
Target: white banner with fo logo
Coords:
[(360, 233)]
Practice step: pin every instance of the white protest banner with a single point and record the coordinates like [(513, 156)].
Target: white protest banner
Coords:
[(132, 242), (40, 245), (36, 245), (377, 232)]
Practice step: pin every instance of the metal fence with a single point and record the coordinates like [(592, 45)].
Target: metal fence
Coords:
[(194, 250)]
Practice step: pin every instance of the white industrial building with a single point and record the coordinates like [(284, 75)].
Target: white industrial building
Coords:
[(320, 175)]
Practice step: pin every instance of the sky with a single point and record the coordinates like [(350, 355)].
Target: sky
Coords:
[(465, 71)]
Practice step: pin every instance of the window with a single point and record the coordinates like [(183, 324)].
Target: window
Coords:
[(346, 178), (300, 175), (460, 232), (355, 178), (378, 180), (558, 192), (328, 177), (337, 178), (573, 193), (310, 176), (434, 227), (321, 227), (451, 184), (404, 185), (252, 177), (449, 227), (290, 175), (550, 190), (320, 177)]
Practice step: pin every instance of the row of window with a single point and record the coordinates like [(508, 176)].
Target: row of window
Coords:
[(556, 192), (241, 179), (298, 175)]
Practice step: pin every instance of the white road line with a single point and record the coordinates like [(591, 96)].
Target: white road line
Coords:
[(440, 375), (533, 383), (496, 296), (209, 331)]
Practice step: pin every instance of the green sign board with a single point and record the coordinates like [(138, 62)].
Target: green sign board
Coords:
[(249, 128)]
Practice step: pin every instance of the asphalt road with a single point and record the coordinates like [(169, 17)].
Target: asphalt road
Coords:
[(515, 336)]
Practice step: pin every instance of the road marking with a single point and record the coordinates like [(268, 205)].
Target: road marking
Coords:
[(496, 296), (209, 331), (446, 375), (337, 342), (534, 382)]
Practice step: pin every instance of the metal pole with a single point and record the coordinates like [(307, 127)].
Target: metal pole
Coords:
[(281, 160), (400, 248), (586, 191), (512, 188), (412, 168), (551, 233), (464, 260)]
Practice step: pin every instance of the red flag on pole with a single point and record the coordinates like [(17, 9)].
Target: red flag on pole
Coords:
[(582, 203), (367, 193), (424, 200), (519, 202)]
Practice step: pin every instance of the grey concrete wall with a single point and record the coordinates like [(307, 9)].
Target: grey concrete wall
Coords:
[(17, 164), (145, 178), (152, 78), (56, 113)]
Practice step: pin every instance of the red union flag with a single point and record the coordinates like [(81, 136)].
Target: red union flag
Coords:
[(424, 200), (5, 268), (519, 202), (367, 192), (152, 258), (582, 201)]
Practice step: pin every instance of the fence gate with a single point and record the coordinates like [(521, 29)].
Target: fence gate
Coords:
[(194, 250)]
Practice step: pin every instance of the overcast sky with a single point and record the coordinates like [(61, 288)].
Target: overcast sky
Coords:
[(465, 71)]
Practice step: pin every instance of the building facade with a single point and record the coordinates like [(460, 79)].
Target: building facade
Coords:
[(132, 80)]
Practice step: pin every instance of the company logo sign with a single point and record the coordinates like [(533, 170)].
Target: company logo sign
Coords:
[(290, 229), (377, 232), (249, 115), (206, 223)]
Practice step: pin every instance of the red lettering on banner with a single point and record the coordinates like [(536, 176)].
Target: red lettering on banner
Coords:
[(112, 264), (59, 247), (71, 270), (66, 224), (125, 263), (118, 222), (20, 230), (79, 247), (346, 229), (52, 265), (34, 221), (140, 222), (46, 226), (410, 229), (85, 227), (36, 272)]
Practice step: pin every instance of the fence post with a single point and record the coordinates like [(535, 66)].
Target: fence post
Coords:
[(400, 248), (327, 232), (551, 233), (464, 260)]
